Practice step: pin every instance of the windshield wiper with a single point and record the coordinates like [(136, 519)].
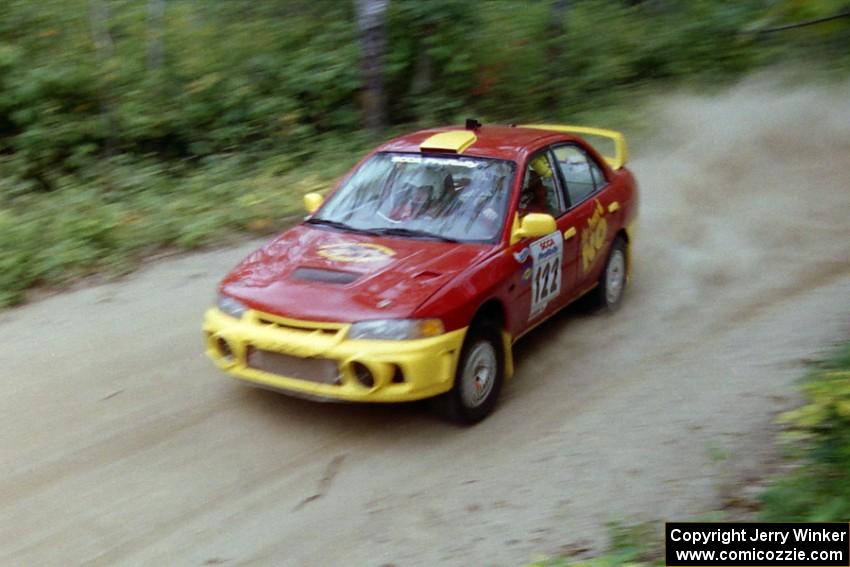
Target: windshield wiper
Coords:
[(339, 225), (398, 231), (387, 231)]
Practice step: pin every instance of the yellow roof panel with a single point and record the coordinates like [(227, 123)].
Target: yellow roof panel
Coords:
[(453, 141)]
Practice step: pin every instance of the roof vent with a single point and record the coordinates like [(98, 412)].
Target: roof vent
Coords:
[(472, 124)]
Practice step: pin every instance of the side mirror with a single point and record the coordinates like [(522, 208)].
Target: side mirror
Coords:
[(312, 202), (533, 225)]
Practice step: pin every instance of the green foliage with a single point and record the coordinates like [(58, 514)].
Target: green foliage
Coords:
[(819, 489), (270, 77), (94, 132), (430, 65)]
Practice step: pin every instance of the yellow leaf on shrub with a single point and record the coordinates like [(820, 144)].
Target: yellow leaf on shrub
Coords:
[(260, 225)]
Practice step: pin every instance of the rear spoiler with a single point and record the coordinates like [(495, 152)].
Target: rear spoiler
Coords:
[(621, 151)]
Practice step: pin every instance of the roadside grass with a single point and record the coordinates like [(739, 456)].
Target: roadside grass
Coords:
[(108, 222), (639, 545)]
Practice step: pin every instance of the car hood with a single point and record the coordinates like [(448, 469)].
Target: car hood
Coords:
[(329, 275)]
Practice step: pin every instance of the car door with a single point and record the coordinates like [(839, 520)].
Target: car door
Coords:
[(540, 281), (588, 221)]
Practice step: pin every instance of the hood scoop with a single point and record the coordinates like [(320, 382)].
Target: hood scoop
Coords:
[(427, 275), (325, 276)]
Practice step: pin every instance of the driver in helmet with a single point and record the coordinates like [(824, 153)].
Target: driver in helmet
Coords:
[(414, 202), (534, 198)]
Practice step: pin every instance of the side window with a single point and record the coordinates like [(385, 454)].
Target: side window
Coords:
[(581, 174), (598, 176), (540, 192)]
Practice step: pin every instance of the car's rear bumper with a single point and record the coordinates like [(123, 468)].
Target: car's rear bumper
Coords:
[(315, 360)]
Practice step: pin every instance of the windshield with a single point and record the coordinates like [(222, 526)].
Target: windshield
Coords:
[(449, 198)]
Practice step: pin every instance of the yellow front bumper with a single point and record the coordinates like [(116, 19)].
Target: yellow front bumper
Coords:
[(402, 370)]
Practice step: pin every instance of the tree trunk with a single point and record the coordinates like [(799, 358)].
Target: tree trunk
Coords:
[(104, 50), (100, 30), (156, 11), (371, 18), (555, 52), (422, 70)]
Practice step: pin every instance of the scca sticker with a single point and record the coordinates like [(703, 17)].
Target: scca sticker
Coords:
[(356, 252)]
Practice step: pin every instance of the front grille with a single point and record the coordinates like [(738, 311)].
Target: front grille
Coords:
[(323, 329), (322, 370)]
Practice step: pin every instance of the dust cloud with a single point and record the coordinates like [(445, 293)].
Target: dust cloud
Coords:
[(745, 197)]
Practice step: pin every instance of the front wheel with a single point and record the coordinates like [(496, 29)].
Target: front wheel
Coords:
[(478, 379)]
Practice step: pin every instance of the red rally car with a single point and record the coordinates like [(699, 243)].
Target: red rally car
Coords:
[(415, 276)]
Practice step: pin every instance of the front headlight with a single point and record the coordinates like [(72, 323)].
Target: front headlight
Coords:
[(230, 306), (396, 329)]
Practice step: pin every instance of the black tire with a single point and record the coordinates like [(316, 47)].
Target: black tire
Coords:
[(478, 378), (609, 292)]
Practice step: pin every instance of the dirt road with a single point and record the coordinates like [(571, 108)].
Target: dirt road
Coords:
[(121, 444)]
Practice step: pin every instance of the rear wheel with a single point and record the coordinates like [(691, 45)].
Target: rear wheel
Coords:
[(478, 378), (612, 282)]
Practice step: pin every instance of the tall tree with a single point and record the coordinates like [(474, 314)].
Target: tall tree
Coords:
[(371, 29)]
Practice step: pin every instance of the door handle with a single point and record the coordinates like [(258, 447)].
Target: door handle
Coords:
[(613, 207), (569, 233)]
